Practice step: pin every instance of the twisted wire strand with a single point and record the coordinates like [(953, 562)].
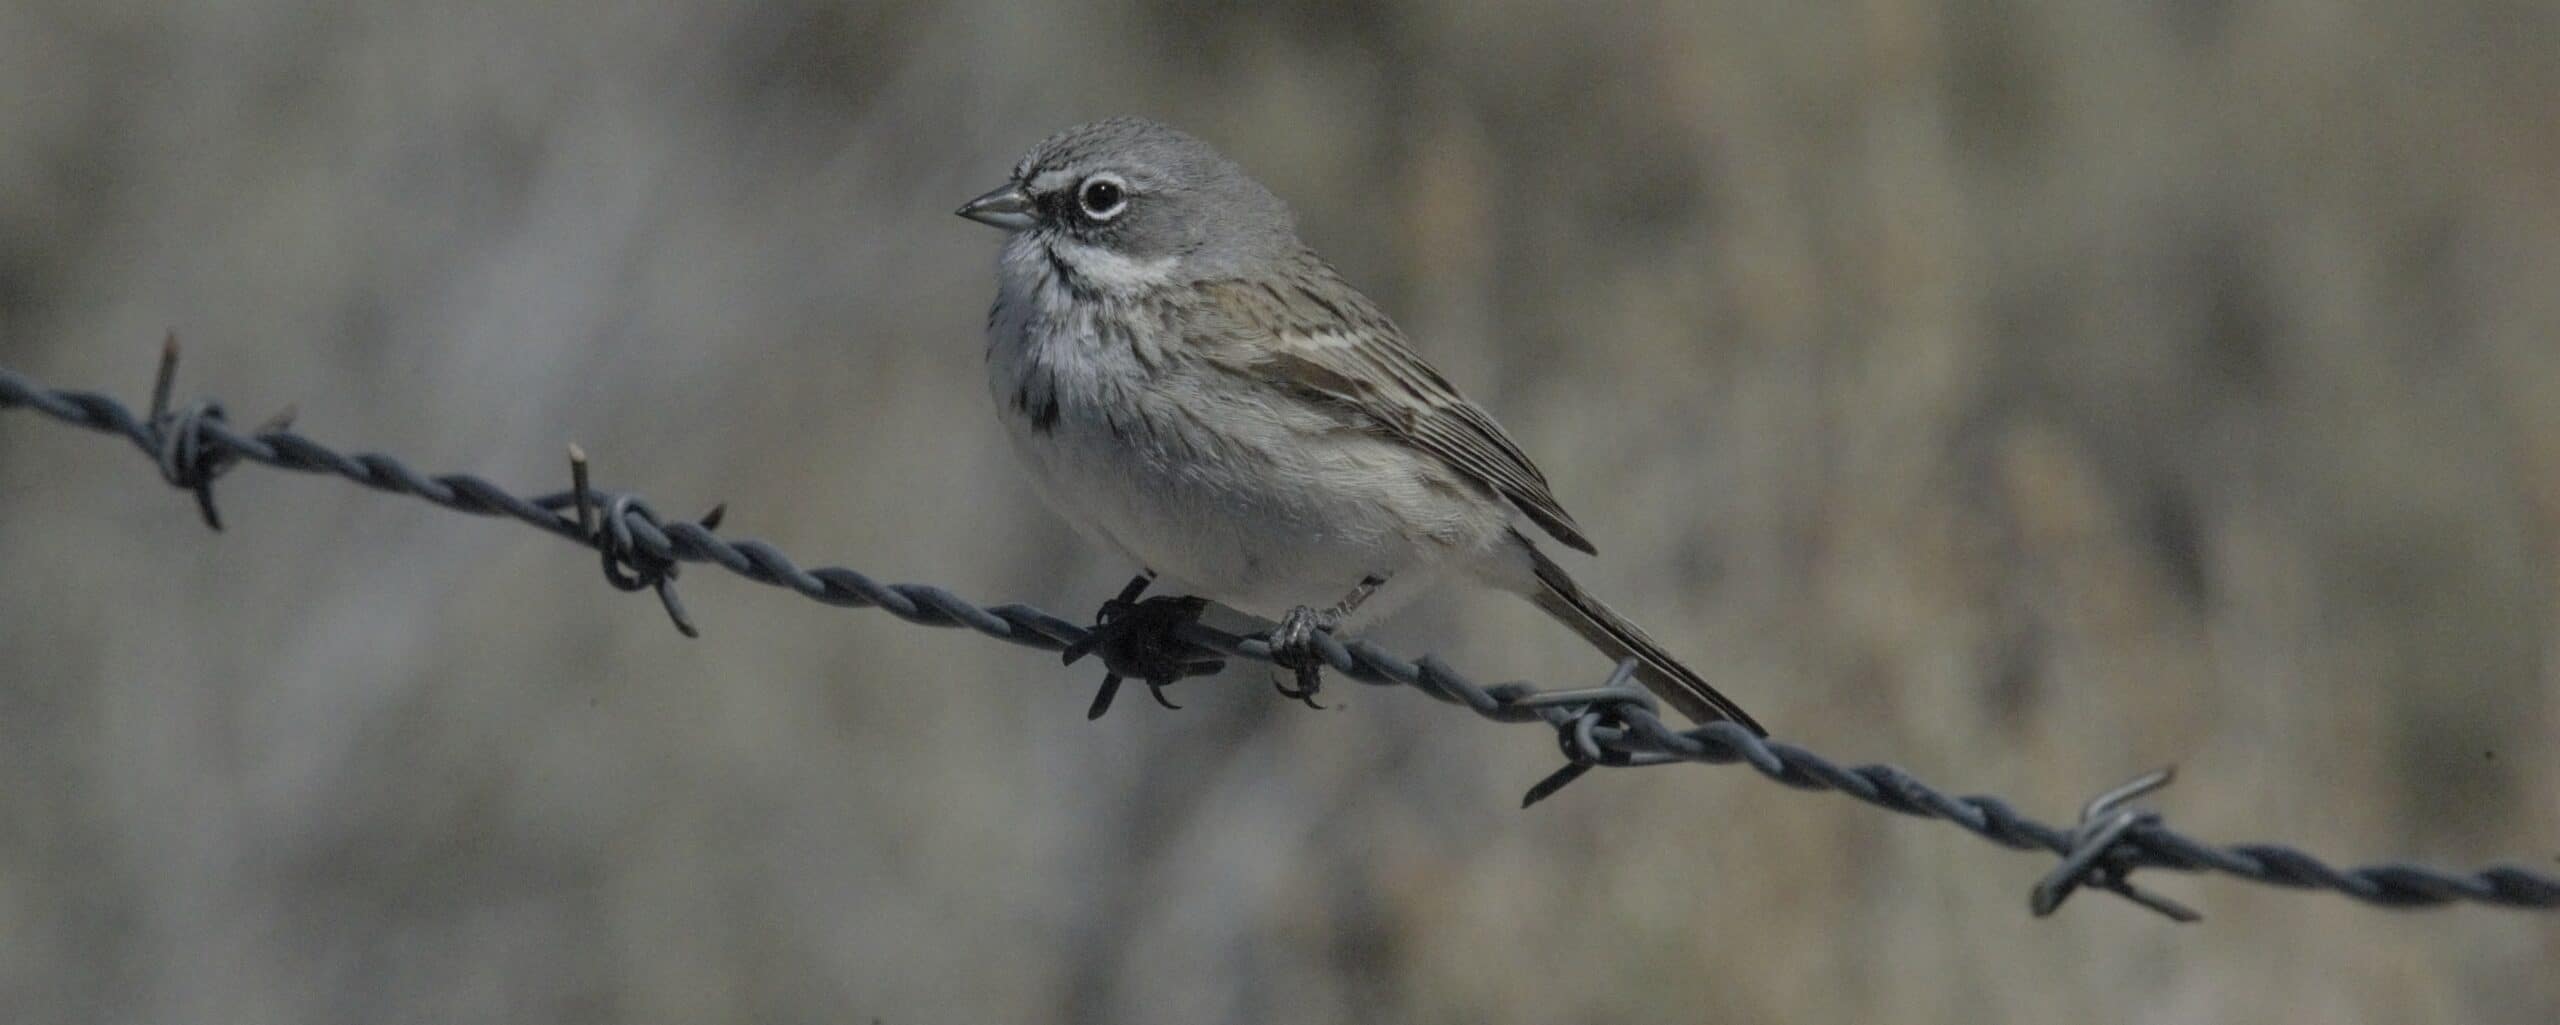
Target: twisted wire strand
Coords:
[(1611, 726)]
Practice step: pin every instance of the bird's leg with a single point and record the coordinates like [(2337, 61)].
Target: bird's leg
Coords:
[(1293, 643), (1137, 638)]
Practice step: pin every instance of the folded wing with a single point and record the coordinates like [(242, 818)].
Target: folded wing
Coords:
[(1334, 347)]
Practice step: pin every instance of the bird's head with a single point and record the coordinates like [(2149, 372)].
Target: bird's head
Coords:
[(1125, 199)]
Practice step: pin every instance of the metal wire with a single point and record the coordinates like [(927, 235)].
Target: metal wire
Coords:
[(1614, 725)]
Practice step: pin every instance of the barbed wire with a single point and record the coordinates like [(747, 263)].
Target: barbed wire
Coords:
[(1614, 725)]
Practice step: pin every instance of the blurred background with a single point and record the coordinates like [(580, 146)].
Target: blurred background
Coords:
[(2027, 394)]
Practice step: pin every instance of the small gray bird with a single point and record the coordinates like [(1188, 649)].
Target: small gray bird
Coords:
[(1191, 386)]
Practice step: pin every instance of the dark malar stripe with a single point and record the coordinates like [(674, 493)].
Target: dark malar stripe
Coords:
[(1066, 277)]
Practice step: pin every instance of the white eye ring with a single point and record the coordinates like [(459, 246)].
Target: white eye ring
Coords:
[(1103, 196)]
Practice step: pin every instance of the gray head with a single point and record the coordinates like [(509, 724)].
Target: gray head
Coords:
[(1139, 190)]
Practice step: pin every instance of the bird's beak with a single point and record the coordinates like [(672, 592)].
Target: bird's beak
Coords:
[(1008, 208)]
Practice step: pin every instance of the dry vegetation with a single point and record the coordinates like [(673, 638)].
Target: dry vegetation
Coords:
[(2023, 393)]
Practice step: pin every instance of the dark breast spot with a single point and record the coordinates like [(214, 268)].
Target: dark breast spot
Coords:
[(1041, 408)]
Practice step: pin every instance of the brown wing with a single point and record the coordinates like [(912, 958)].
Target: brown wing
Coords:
[(1333, 346)]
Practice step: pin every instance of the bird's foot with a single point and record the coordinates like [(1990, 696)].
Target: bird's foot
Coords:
[(1294, 647), (1137, 639)]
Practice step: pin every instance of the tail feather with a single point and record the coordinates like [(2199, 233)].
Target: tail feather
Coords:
[(1662, 674)]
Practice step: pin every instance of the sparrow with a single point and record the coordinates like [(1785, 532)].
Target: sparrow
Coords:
[(1191, 386)]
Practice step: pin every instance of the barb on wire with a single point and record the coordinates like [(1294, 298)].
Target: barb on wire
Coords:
[(627, 565), (2096, 856), (177, 441), (1136, 638), (1160, 640)]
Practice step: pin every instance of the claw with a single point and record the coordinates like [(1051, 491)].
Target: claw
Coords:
[(1293, 647), (1308, 683)]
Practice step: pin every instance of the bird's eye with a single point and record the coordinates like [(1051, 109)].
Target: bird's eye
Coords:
[(1102, 197)]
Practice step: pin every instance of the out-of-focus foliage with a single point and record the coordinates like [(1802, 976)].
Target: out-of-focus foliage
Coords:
[(2026, 393)]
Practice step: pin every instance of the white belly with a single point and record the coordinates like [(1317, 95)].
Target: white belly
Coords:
[(1250, 535)]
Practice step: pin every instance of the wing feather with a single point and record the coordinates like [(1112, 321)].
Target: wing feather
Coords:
[(1328, 342)]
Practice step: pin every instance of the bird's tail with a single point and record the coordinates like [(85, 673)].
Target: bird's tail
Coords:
[(1560, 597)]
